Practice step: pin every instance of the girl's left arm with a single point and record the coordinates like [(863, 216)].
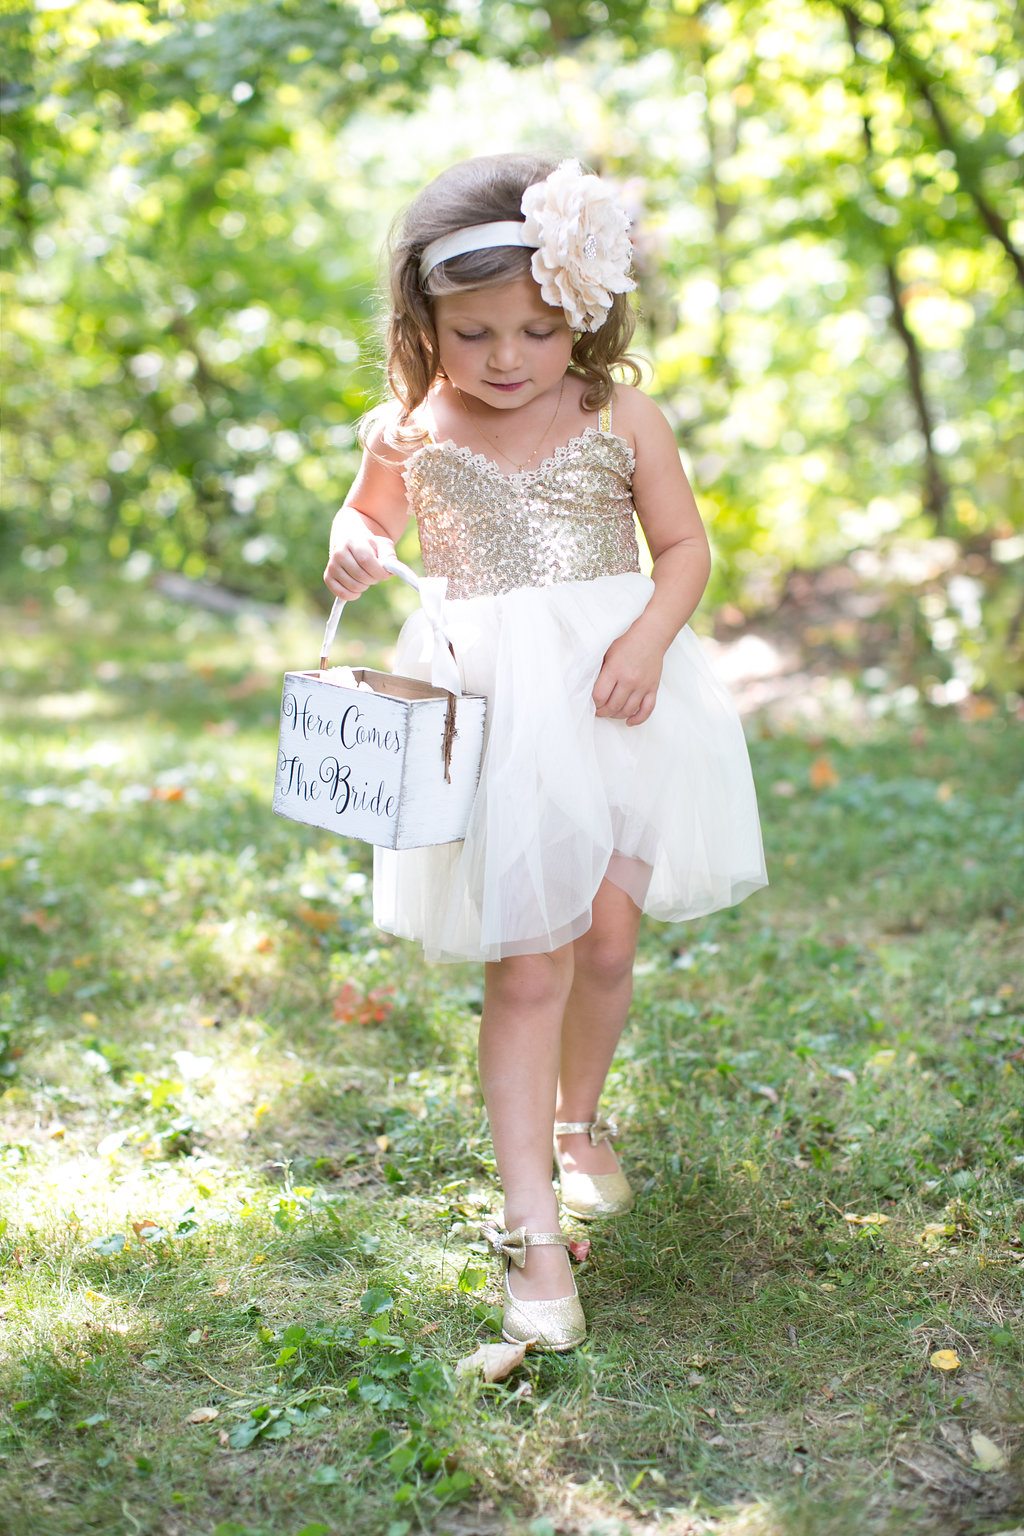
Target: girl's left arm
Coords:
[(627, 685)]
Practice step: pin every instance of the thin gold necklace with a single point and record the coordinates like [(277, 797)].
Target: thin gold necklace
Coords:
[(519, 465)]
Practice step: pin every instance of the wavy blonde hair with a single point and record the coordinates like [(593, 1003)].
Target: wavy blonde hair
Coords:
[(480, 191)]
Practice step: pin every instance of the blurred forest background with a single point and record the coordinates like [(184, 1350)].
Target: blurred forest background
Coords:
[(829, 206)]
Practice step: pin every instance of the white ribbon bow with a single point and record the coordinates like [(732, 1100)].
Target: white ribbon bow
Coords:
[(443, 670)]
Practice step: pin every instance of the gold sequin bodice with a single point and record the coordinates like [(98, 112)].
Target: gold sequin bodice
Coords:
[(570, 519)]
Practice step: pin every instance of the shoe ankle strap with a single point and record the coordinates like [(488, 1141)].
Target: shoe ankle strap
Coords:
[(513, 1245), (598, 1130)]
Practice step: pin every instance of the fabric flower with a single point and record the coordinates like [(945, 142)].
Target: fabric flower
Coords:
[(583, 250)]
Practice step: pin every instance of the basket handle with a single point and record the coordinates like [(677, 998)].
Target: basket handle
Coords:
[(443, 671)]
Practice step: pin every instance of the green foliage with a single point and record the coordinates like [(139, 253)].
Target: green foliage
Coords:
[(830, 264)]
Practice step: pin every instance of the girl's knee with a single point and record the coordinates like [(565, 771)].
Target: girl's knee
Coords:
[(532, 981), (606, 959)]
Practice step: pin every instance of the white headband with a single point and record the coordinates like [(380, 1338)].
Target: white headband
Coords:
[(475, 237), (579, 236)]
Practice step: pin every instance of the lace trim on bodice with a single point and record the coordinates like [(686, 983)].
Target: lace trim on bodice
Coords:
[(558, 455)]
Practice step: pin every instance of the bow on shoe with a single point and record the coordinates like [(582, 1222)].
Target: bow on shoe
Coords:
[(602, 1130), (511, 1245)]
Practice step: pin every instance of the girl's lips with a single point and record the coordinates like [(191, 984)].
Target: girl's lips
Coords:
[(505, 387)]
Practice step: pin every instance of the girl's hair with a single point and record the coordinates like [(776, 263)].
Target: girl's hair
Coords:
[(480, 191)]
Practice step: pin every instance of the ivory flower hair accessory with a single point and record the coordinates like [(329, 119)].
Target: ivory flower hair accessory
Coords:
[(581, 235)]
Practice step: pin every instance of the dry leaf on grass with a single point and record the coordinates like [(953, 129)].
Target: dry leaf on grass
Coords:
[(202, 1415), (222, 1288), (988, 1456), (822, 774), (945, 1360), (314, 918), (496, 1361)]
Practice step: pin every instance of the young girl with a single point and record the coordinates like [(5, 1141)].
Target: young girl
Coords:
[(615, 777)]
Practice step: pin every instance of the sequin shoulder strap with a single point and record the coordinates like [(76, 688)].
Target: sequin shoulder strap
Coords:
[(604, 420)]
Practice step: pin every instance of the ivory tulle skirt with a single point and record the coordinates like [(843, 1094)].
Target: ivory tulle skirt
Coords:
[(666, 810)]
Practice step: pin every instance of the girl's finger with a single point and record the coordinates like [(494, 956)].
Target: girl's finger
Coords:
[(645, 711)]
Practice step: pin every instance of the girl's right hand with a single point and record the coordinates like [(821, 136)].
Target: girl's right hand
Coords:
[(356, 562)]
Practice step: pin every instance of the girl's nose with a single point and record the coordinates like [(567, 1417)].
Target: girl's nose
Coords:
[(506, 353)]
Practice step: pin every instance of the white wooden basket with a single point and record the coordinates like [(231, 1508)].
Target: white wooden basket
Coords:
[(397, 766)]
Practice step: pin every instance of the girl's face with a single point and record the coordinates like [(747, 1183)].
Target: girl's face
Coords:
[(504, 346)]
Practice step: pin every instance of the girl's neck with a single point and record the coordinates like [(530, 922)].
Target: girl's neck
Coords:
[(515, 437)]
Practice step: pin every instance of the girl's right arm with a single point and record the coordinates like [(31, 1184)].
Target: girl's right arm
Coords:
[(370, 521)]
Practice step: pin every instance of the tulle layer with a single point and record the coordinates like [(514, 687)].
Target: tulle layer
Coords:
[(666, 809)]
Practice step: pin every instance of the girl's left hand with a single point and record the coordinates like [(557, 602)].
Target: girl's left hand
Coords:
[(627, 684)]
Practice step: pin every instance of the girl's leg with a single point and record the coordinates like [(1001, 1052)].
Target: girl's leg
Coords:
[(594, 1019), (524, 1000)]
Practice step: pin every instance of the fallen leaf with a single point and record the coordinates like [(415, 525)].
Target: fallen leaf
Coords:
[(314, 918), (844, 1073), (222, 1288), (496, 1361), (945, 1360), (350, 1007), (167, 792), (41, 919), (988, 1455), (202, 1415), (580, 1249), (934, 1234), (876, 1219), (56, 1131), (822, 774), (195, 1337), (103, 1301), (382, 1143)]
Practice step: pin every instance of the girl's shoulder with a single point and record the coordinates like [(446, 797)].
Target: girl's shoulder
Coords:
[(391, 437), (637, 419)]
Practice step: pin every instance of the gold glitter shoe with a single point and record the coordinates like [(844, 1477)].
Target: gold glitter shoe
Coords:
[(555, 1325), (592, 1194)]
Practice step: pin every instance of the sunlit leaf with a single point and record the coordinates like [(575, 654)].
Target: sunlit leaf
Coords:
[(113, 1243)]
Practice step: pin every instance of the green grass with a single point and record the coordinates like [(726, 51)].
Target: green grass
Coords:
[(217, 1194)]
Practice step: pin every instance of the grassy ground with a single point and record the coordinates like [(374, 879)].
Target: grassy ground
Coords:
[(244, 1162)]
